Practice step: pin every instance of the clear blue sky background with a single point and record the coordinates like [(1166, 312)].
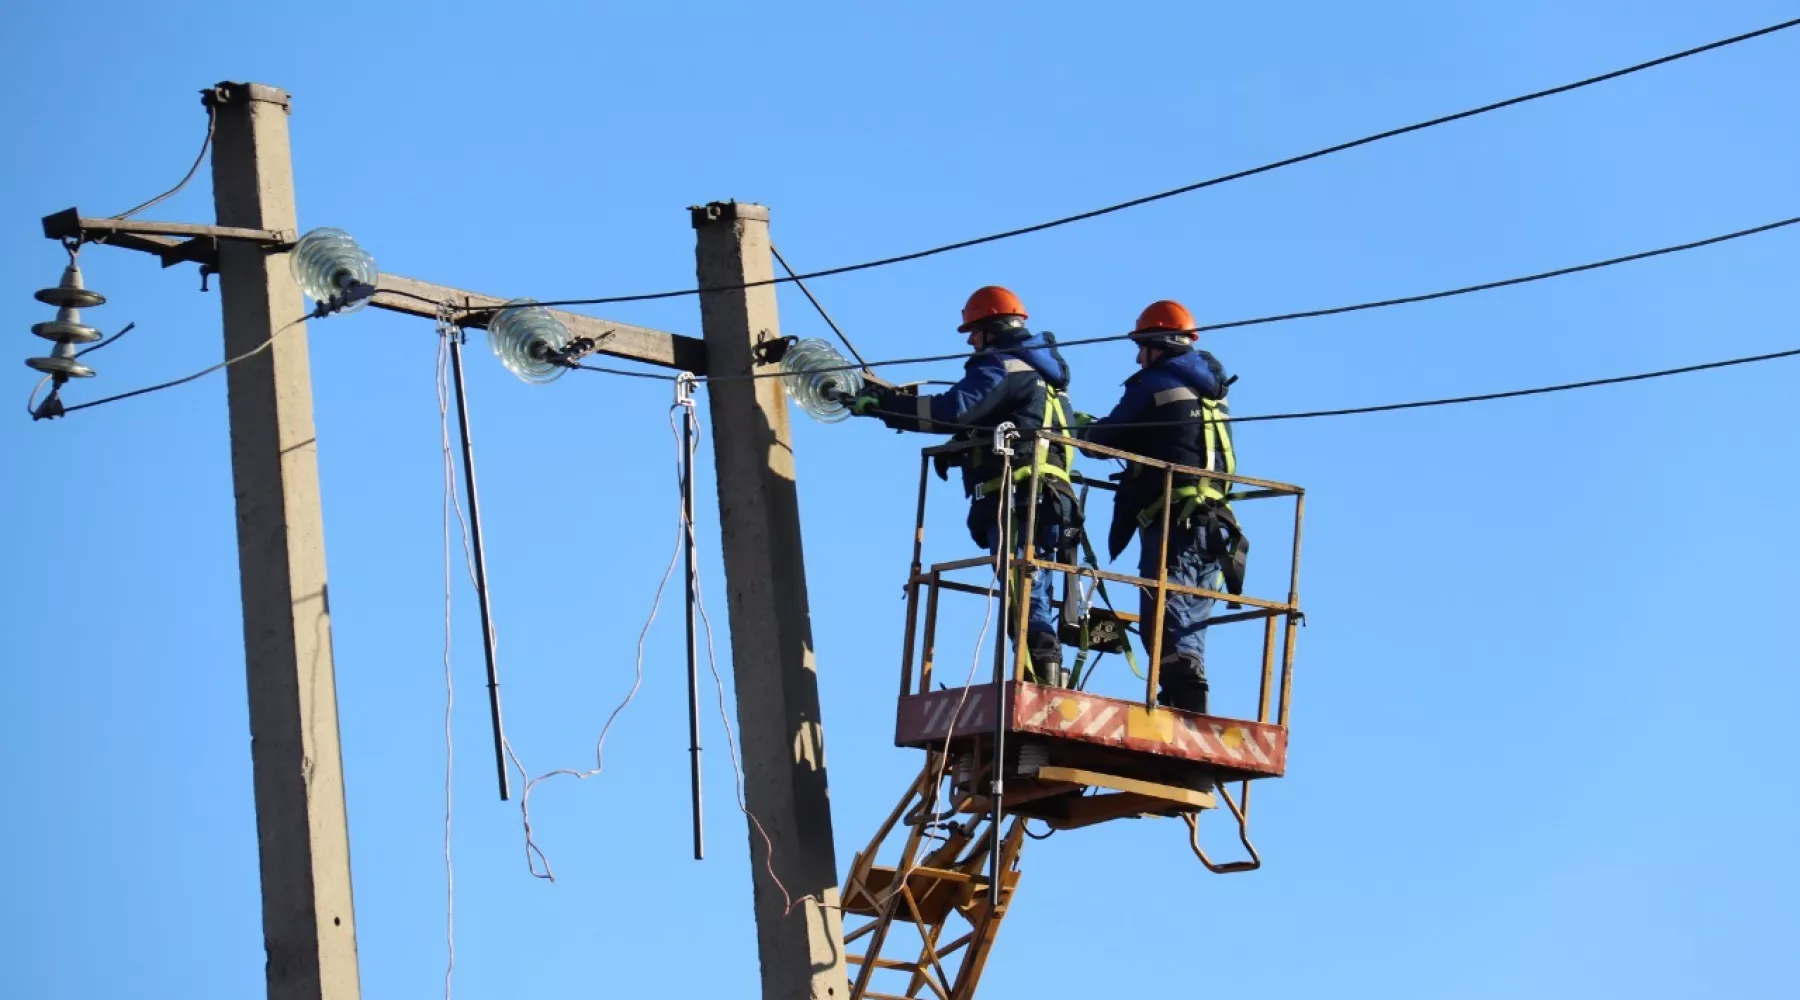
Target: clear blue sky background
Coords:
[(1543, 734)]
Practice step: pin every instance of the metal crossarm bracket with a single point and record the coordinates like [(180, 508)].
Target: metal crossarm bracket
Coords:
[(175, 242), (772, 350)]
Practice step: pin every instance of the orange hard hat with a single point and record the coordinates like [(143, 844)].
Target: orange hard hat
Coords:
[(1165, 316), (987, 302)]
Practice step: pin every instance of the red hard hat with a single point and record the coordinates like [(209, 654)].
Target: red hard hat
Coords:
[(987, 302), (1165, 316)]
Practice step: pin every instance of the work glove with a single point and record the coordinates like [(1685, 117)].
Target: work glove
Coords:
[(867, 402), (943, 462), (1084, 419)]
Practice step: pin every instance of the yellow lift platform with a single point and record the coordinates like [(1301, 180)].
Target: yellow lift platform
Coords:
[(1009, 750)]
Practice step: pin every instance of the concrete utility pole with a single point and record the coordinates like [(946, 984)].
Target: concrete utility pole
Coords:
[(309, 927), (776, 679)]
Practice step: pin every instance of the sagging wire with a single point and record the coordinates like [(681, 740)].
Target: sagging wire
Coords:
[(789, 903), (60, 410), (534, 854), (31, 400), (1479, 397), (583, 366), (994, 590), (1209, 182), (212, 121), (1483, 397), (1318, 313), (447, 329)]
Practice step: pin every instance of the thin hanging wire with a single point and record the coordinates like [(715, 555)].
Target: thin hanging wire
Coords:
[(995, 589), (172, 383), (446, 330), (712, 662), (534, 854), (212, 120)]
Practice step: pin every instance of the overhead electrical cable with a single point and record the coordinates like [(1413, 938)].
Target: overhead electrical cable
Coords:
[(1329, 311), (1442, 401), (1197, 185)]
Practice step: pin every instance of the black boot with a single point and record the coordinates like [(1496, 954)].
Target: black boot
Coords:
[(1188, 697), (1046, 659)]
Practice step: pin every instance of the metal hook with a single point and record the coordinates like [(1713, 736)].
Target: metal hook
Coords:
[(446, 322), (684, 390), (1004, 435)]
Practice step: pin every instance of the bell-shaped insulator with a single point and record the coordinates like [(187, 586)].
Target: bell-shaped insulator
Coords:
[(61, 362), (525, 337), (819, 380), (333, 270), (69, 298)]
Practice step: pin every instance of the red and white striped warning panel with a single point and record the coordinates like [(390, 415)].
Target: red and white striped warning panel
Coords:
[(1075, 715)]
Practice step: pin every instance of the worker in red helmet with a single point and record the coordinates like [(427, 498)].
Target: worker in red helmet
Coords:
[(1174, 410), (1017, 377)]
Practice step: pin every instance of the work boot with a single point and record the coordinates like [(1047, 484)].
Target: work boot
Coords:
[(1188, 697), (1046, 659), (1200, 781)]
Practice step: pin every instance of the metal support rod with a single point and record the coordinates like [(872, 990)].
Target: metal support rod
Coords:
[(908, 645), (1268, 669), (489, 648), (1003, 572), (693, 659), (1293, 621), (1162, 593), (1028, 575), (929, 654)]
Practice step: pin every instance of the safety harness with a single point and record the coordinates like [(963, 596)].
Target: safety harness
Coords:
[(1044, 462), (1205, 506)]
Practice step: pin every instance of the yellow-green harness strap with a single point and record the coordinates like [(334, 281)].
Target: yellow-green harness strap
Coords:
[(1220, 455), (1055, 419)]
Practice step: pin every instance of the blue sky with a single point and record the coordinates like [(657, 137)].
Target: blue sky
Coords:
[(1541, 740)]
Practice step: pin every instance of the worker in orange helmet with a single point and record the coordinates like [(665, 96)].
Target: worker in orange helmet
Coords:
[(1174, 410), (1018, 377)]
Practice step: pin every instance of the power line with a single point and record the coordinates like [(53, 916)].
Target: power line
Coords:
[(816, 305), (212, 119), (1424, 403), (91, 349), (1510, 394), (1490, 285), (1197, 185), (1331, 311), (185, 379), (416, 297), (585, 367)]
